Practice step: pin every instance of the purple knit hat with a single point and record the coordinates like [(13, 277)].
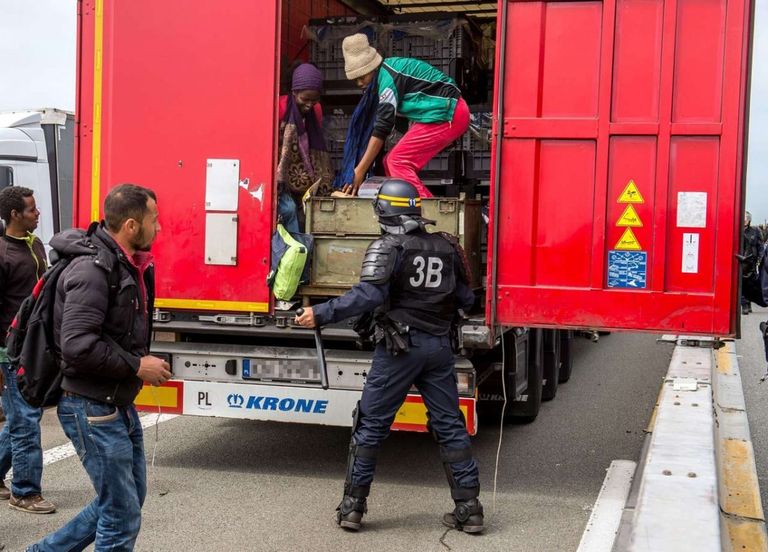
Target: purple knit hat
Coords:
[(307, 77)]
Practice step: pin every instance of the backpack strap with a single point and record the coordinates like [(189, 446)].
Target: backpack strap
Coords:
[(92, 228)]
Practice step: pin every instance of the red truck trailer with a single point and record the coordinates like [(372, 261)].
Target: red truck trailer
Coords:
[(613, 189)]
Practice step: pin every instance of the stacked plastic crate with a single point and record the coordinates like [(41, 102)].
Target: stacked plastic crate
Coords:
[(477, 144), (325, 37)]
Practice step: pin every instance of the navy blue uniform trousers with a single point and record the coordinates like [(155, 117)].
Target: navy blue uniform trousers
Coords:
[(429, 366)]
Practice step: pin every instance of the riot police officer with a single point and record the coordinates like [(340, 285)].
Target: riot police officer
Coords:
[(415, 281)]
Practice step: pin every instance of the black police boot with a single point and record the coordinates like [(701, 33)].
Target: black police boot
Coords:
[(349, 513), (467, 516)]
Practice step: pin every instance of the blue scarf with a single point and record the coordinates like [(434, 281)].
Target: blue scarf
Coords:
[(358, 134)]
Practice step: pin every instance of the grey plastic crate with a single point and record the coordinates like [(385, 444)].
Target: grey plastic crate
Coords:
[(452, 44), (477, 141), (431, 39), (325, 38), (336, 120)]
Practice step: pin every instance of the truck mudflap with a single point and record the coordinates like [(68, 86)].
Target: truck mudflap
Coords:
[(281, 403)]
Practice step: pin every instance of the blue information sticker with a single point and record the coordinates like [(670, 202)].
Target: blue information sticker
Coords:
[(627, 269)]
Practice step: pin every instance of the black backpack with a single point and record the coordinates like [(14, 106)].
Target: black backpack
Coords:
[(30, 339)]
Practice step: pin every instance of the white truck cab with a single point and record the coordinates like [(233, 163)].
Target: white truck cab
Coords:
[(36, 151)]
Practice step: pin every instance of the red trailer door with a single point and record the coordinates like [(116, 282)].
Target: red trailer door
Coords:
[(179, 96), (619, 175)]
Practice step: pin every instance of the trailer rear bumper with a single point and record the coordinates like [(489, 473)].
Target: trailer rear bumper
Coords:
[(281, 403)]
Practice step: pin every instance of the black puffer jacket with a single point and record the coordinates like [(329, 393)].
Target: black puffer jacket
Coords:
[(101, 324)]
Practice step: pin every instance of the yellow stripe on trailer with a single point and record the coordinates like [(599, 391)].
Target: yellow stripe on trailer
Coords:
[(413, 414), (98, 73), (202, 304), (168, 398)]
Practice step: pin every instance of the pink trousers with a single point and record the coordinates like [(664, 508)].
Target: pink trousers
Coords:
[(421, 143)]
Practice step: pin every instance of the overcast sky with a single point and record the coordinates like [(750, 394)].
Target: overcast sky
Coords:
[(37, 68)]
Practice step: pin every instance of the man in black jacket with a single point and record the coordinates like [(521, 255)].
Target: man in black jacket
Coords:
[(22, 263), (752, 250), (102, 327)]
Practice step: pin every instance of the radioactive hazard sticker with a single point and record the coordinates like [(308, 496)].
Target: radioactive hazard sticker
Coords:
[(627, 269)]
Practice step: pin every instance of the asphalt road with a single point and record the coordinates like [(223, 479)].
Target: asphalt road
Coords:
[(753, 367), (239, 485)]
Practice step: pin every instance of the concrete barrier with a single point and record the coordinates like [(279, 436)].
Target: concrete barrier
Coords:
[(742, 516), (696, 485)]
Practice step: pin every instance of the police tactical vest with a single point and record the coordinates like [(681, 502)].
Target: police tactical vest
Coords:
[(422, 293)]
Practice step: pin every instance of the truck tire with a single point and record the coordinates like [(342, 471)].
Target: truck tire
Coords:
[(566, 355), (551, 364), (491, 390), (525, 410)]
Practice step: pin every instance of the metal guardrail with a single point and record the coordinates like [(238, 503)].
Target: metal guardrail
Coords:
[(695, 487)]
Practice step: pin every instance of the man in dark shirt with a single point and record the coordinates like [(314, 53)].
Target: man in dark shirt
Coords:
[(417, 280), (22, 263)]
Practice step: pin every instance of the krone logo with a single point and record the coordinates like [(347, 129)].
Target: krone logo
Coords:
[(235, 400)]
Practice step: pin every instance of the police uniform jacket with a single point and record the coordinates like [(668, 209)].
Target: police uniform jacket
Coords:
[(419, 275)]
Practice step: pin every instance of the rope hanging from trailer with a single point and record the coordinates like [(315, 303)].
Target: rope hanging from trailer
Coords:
[(153, 470)]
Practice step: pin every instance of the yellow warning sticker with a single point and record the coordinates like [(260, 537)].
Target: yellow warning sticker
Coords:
[(629, 218), (628, 242), (631, 194)]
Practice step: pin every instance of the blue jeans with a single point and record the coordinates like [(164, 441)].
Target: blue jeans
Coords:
[(286, 210), (109, 441), (20, 439)]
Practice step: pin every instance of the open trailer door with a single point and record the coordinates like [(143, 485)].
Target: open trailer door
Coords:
[(619, 162), (179, 96)]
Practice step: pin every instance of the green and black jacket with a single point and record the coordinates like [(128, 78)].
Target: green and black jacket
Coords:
[(415, 90)]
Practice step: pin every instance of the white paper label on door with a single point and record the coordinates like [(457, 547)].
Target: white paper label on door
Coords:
[(692, 209)]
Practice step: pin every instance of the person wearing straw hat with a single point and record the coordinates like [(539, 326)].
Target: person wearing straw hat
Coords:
[(413, 89)]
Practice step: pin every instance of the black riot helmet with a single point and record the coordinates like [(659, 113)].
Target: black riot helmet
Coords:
[(397, 197)]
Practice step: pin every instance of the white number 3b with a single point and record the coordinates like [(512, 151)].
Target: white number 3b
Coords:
[(434, 275)]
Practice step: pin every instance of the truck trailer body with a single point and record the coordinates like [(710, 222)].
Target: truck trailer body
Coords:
[(612, 198)]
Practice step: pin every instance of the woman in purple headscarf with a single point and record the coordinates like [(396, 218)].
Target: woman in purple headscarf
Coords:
[(304, 158)]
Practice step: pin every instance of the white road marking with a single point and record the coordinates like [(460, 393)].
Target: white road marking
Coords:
[(606, 515), (63, 452)]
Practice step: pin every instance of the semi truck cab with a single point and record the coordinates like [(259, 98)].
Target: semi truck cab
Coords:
[(37, 152)]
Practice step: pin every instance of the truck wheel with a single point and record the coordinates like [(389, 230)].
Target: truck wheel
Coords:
[(491, 389), (525, 409), (566, 355), (551, 364)]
